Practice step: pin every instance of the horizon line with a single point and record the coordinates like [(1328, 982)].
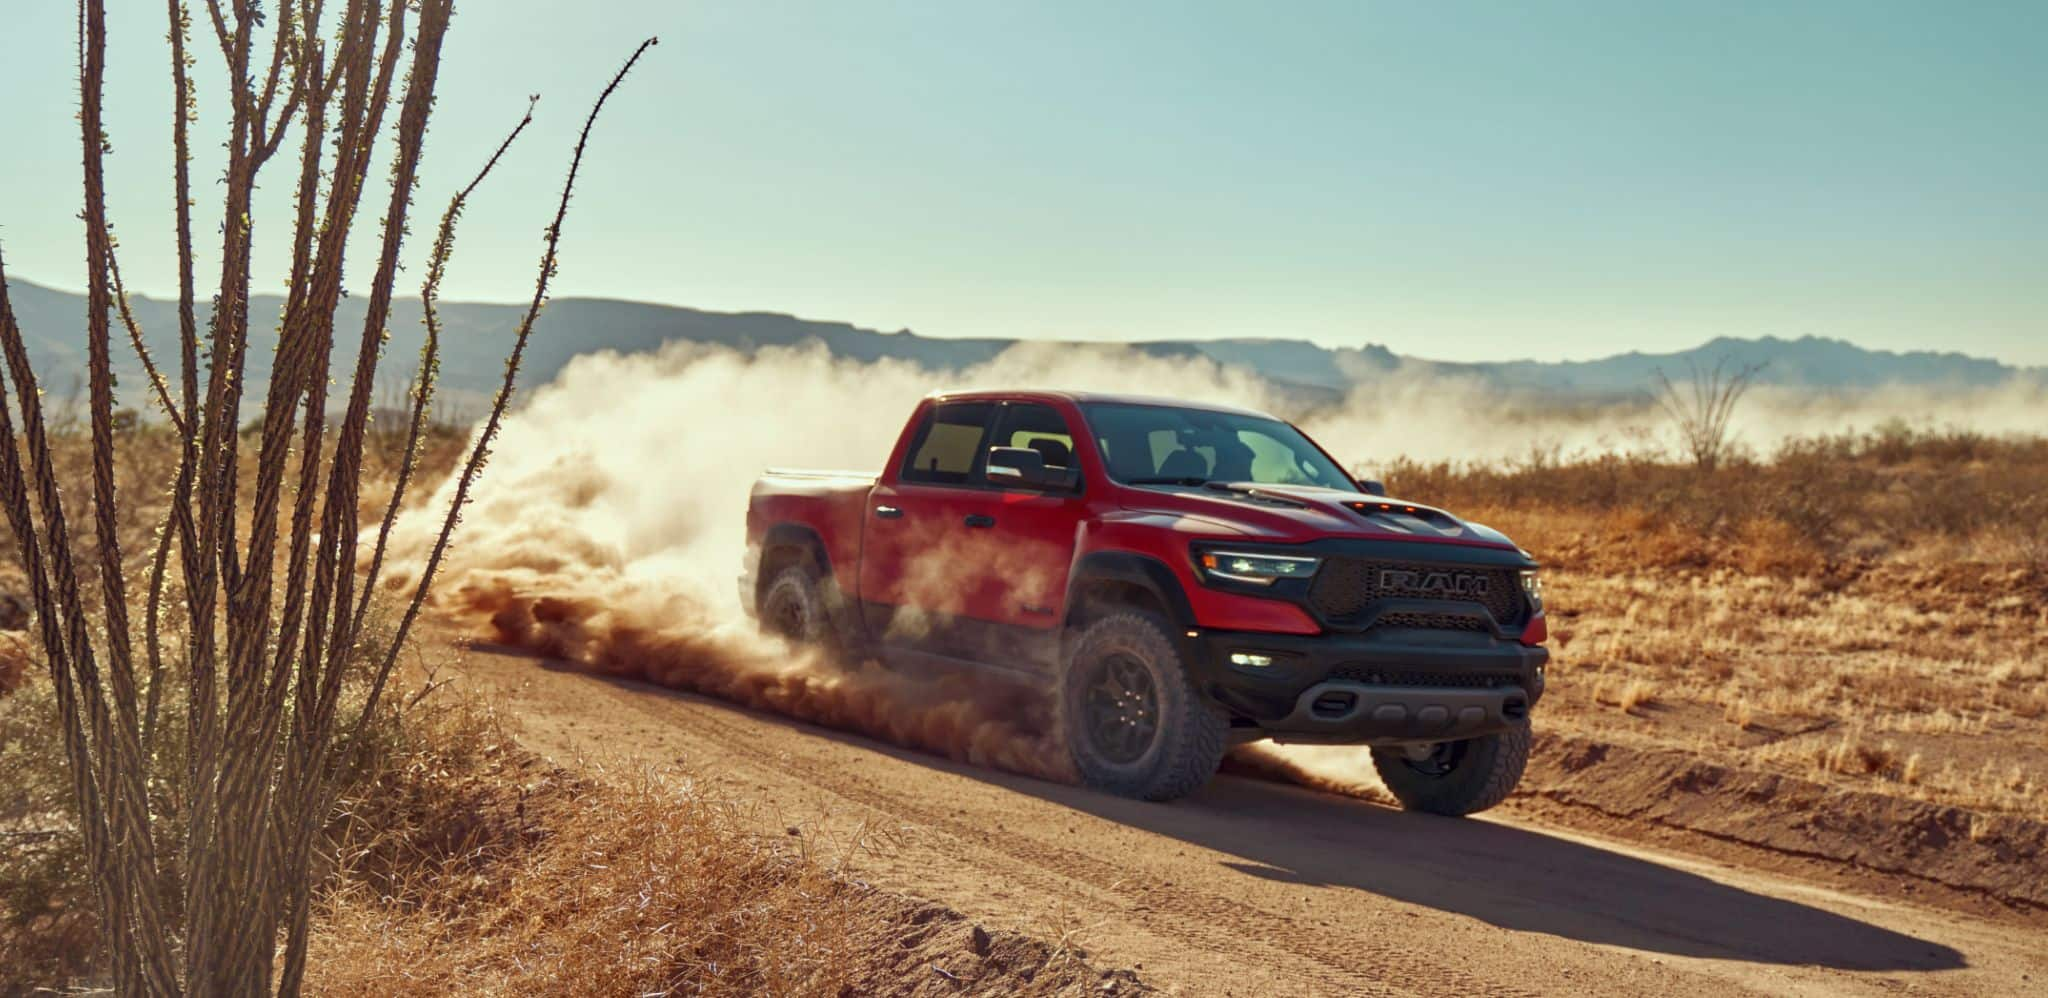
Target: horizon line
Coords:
[(1367, 346)]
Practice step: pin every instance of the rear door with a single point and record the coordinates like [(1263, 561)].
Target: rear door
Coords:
[(918, 577)]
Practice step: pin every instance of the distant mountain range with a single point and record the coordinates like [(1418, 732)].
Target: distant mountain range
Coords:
[(477, 336)]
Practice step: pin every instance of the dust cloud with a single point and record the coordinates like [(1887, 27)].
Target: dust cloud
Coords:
[(608, 529), (1344, 770), (1425, 416)]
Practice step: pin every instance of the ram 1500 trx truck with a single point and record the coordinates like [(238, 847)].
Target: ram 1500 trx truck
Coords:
[(1179, 576)]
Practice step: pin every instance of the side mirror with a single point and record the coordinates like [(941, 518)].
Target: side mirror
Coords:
[(1373, 486), (1024, 468)]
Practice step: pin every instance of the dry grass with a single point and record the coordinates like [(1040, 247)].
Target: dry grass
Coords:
[(1636, 694), (508, 880), (1867, 610), (1818, 507), (47, 933), (1855, 754), (1780, 663), (15, 662)]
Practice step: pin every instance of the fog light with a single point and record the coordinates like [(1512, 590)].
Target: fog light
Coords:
[(1252, 659)]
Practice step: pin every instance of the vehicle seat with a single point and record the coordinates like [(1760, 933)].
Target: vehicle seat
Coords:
[(1233, 461), (1056, 454), (1184, 463)]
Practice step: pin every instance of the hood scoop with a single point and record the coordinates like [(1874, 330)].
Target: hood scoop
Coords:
[(1250, 492), (1406, 518)]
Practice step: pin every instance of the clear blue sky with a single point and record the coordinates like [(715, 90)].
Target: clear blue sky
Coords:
[(1454, 180)]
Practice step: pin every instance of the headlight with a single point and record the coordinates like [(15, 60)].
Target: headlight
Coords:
[(1532, 584), (1256, 569)]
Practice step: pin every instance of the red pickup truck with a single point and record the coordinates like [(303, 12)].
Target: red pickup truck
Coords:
[(1179, 576)]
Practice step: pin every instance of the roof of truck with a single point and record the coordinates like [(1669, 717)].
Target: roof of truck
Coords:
[(1094, 398)]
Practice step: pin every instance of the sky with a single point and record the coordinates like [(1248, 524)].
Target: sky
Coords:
[(1465, 181)]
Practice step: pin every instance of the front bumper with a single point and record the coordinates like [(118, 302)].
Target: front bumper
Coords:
[(1388, 686)]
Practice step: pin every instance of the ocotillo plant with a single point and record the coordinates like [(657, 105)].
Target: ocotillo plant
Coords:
[(1702, 408), (275, 589)]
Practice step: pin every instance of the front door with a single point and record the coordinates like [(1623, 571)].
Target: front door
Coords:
[(1031, 542), (1021, 545), (953, 565)]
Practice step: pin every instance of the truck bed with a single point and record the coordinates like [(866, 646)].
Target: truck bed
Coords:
[(813, 475), (831, 503)]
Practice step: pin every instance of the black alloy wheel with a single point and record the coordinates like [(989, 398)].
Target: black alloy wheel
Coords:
[(1438, 760), (1123, 709)]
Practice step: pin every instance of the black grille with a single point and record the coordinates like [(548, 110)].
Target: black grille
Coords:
[(1431, 621), (1388, 677), (1346, 588)]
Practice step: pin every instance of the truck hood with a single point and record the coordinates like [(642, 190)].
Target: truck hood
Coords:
[(1290, 514)]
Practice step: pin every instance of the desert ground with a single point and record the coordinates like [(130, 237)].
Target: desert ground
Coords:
[(1795, 742), (1259, 887)]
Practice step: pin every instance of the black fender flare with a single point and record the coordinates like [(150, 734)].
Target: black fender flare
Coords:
[(1151, 575), (1143, 571), (845, 613), (795, 535)]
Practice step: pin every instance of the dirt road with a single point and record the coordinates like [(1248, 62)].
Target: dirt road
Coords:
[(1255, 888)]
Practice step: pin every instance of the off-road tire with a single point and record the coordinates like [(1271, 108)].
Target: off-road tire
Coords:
[(1482, 772), (793, 607), (1188, 740)]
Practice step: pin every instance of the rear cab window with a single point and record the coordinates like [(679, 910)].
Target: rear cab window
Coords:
[(950, 447)]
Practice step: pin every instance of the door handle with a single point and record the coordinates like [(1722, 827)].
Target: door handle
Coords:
[(980, 520), (888, 512)]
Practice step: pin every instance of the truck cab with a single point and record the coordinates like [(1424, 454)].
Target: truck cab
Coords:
[(1178, 576)]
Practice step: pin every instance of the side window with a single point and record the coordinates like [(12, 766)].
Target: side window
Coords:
[(1039, 427), (948, 444)]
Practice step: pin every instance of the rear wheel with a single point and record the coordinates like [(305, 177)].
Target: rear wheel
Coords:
[(1132, 721), (793, 607), (1455, 778)]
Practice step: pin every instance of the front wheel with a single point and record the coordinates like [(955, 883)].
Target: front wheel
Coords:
[(1132, 721), (1455, 778)]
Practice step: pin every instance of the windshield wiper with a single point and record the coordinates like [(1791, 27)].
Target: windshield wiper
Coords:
[(1183, 480)]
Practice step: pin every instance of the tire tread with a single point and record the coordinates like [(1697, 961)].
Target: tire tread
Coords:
[(1194, 730), (1497, 760)]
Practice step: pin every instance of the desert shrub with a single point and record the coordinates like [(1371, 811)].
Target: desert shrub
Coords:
[(14, 660), (1828, 500), (49, 935), (47, 932)]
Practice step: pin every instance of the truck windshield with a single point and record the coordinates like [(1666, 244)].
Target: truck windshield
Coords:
[(1163, 445)]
